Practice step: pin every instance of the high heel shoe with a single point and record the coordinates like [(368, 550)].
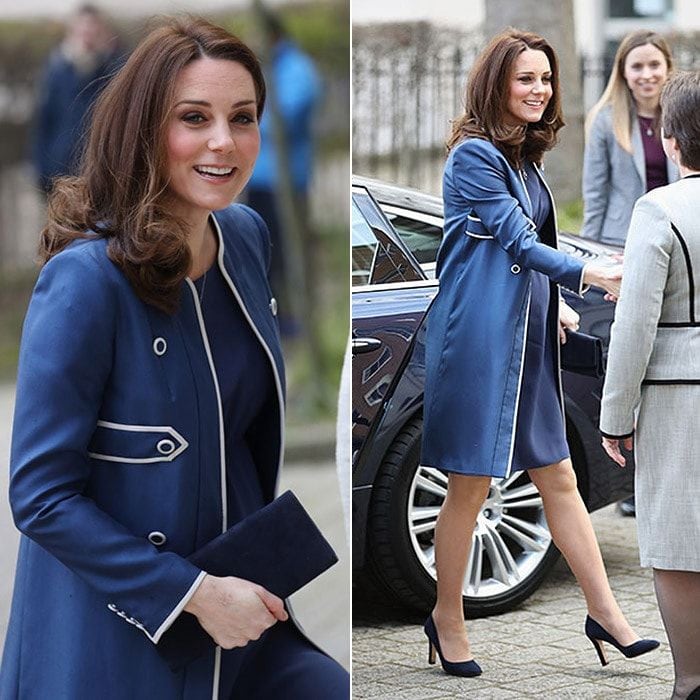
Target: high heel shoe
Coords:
[(468, 669), (598, 634)]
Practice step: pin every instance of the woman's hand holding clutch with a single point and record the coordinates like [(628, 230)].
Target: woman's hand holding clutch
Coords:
[(234, 611), (568, 320)]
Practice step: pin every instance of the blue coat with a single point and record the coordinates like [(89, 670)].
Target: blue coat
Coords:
[(118, 436), (477, 324)]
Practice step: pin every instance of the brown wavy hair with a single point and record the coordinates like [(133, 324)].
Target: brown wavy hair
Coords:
[(120, 192), (486, 101)]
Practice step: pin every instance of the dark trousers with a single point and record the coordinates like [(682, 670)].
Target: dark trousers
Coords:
[(283, 664)]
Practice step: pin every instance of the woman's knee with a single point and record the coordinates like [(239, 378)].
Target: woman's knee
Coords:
[(556, 478), (467, 491)]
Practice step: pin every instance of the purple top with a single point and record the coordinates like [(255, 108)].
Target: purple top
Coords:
[(654, 156)]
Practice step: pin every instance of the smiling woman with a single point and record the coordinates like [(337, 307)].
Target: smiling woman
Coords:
[(498, 362), (149, 415)]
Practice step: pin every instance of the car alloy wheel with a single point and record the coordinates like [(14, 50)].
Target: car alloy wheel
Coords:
[(511, 539)]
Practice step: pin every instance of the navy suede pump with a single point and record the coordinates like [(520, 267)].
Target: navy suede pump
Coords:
[(468, 669), (598, 634)]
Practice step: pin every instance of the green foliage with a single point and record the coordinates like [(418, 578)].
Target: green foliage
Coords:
[(570, 216), (334, 309), (15, 290)]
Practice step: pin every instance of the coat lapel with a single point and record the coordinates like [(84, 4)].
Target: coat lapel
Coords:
[(638, 151)]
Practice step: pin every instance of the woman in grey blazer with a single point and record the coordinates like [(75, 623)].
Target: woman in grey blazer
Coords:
[(623, 157), (652, 388)]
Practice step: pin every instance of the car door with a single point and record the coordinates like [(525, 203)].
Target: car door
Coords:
[(390, 296)]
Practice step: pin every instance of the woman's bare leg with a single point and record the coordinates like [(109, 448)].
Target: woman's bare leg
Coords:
[(573, 534), (453, 540), (678, 595)]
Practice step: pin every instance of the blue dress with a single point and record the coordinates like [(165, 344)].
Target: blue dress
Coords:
[(282, 663), (540, 438)]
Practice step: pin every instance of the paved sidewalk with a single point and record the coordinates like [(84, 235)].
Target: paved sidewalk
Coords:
[(537, 651)]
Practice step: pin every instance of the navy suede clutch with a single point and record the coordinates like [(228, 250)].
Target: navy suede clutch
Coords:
[(278, 547), (582, 354)]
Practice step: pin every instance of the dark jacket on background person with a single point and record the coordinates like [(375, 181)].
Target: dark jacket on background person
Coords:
[(65, 97)]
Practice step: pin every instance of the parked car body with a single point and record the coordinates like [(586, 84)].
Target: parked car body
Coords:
[(395, 236)]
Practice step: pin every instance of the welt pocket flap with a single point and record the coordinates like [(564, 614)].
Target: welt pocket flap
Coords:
[(476, 229), (135, 444)]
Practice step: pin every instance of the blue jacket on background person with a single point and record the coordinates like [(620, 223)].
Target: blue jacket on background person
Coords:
[(65, 97), (295, 89), (118, 436)]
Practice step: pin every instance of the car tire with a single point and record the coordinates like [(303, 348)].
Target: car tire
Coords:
[(395, 555)]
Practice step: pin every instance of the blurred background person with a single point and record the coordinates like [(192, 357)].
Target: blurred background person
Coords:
[(75, 74), (651, 391), (286, 154), (624, 157)]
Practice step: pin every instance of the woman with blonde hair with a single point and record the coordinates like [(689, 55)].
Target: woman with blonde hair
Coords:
[(624, 157)]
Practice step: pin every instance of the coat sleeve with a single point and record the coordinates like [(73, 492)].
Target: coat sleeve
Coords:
[(645, 271), (65, 360), (479, 174), (596, 178)]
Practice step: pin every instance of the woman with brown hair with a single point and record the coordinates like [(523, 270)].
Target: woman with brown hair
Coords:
[(493, 400), (150, 398)]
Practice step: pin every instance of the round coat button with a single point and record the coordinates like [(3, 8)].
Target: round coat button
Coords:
[(160, 346), (273, 306), (165, 447), (157, 538), (515, 268)]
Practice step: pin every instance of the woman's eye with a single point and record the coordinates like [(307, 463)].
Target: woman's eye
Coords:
[(244, 118), (547, 79), (193, 118)]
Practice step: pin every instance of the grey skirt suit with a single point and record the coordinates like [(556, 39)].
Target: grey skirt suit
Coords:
[(653, 375)]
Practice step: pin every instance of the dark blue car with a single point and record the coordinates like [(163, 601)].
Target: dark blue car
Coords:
[(395, 236)]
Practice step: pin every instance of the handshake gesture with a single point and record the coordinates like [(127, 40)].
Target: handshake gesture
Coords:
[(607, 277)]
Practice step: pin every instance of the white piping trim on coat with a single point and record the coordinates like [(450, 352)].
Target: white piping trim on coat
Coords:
[(222, 445), (142, 429), (222, 454), (176, 610), (520, 385), (476, 235), (473, 218), (527, 194), (278, 382), (580, 290), (217, 674)]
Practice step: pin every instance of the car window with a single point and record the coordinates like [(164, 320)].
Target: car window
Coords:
[(421, 237), (364, 248), (378, 255)]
